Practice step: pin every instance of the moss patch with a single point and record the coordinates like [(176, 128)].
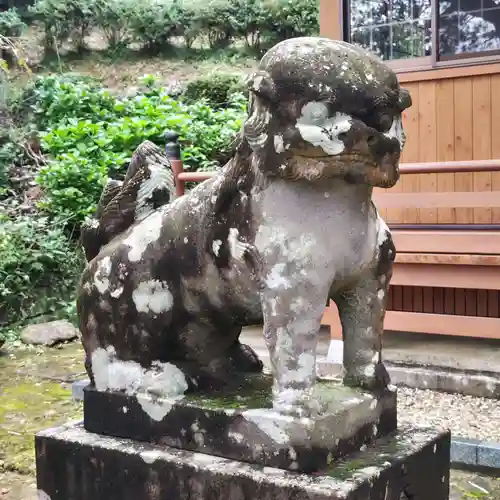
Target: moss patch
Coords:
[(32, 398), (255, 391)]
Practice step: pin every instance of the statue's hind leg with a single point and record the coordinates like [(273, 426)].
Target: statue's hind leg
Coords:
[(244, 359), (213, 353)]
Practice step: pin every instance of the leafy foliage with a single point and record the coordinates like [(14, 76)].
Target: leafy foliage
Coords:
[(11, 24), (36, 259), (88, 135), (216, 88)]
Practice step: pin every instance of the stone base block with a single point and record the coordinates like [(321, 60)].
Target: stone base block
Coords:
[(78, 465), (239, 423)]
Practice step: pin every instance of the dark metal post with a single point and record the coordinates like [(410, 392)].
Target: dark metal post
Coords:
[(173, 152)]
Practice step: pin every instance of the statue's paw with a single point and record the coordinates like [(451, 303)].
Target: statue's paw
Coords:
[(296, 402), (244, 359), (373, 377)]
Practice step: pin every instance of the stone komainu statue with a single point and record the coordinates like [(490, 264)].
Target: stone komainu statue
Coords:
[(287, 224)]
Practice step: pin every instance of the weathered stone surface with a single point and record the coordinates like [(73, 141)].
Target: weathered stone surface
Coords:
[(464, 451), (50, 333), (488, 455), (239, 422), (287, 224), (73, 463)]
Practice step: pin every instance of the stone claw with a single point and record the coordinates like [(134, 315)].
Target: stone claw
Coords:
[(244, 359)]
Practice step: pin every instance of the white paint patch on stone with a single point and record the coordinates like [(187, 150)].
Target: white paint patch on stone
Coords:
[(320, 130), (116, 293), (383, 232), (335, 351), (186, 239), (236, 247), (275, 280), (397, 131), (236, 436), (216, 244), (257, 83), (159, 178), (150, 456), (381, 295), (101, 276), (41, 495), (199, 439), (278, 143), (157, 409), (369, 370), (269, 423), (91, 223), (143, 234), (161, 380), (152, 296), (370, 471)]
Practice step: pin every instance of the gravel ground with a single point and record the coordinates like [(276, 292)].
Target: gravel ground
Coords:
[(465, 416)]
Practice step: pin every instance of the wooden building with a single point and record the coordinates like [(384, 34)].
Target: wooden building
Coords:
[(445, 211)]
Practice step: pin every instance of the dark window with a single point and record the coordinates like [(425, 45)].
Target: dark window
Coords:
[(402, 29), (393, 29), (468, 26)]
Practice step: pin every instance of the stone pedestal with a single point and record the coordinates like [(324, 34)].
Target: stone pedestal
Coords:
[(239, 422), (75, 464), (231, 445)]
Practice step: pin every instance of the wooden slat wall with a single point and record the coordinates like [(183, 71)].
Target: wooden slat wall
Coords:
[(482, 303), (451, 119)]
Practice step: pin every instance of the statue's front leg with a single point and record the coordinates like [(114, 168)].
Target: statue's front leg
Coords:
[(362, 311), (292, 319)]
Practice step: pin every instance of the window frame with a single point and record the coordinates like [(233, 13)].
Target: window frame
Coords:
[(426, 63)]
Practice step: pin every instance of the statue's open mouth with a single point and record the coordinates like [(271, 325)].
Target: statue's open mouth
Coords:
[(317, 153)]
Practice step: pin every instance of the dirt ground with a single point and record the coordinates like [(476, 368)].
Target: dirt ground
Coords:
[(35, 393), (120, 71)]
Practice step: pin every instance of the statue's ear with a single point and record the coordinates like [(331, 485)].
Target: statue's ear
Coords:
[(261, 84), (404, 100)]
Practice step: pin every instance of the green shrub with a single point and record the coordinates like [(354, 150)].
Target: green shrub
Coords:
[(11, 24), (216, 21), (253, 20), (114, 18), (215, 88), (88, 135), (65, 19), (38, 268), (154, 22), (188, 21), (290, 19)]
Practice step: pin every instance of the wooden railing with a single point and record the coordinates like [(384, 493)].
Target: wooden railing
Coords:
[(405, 168)]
